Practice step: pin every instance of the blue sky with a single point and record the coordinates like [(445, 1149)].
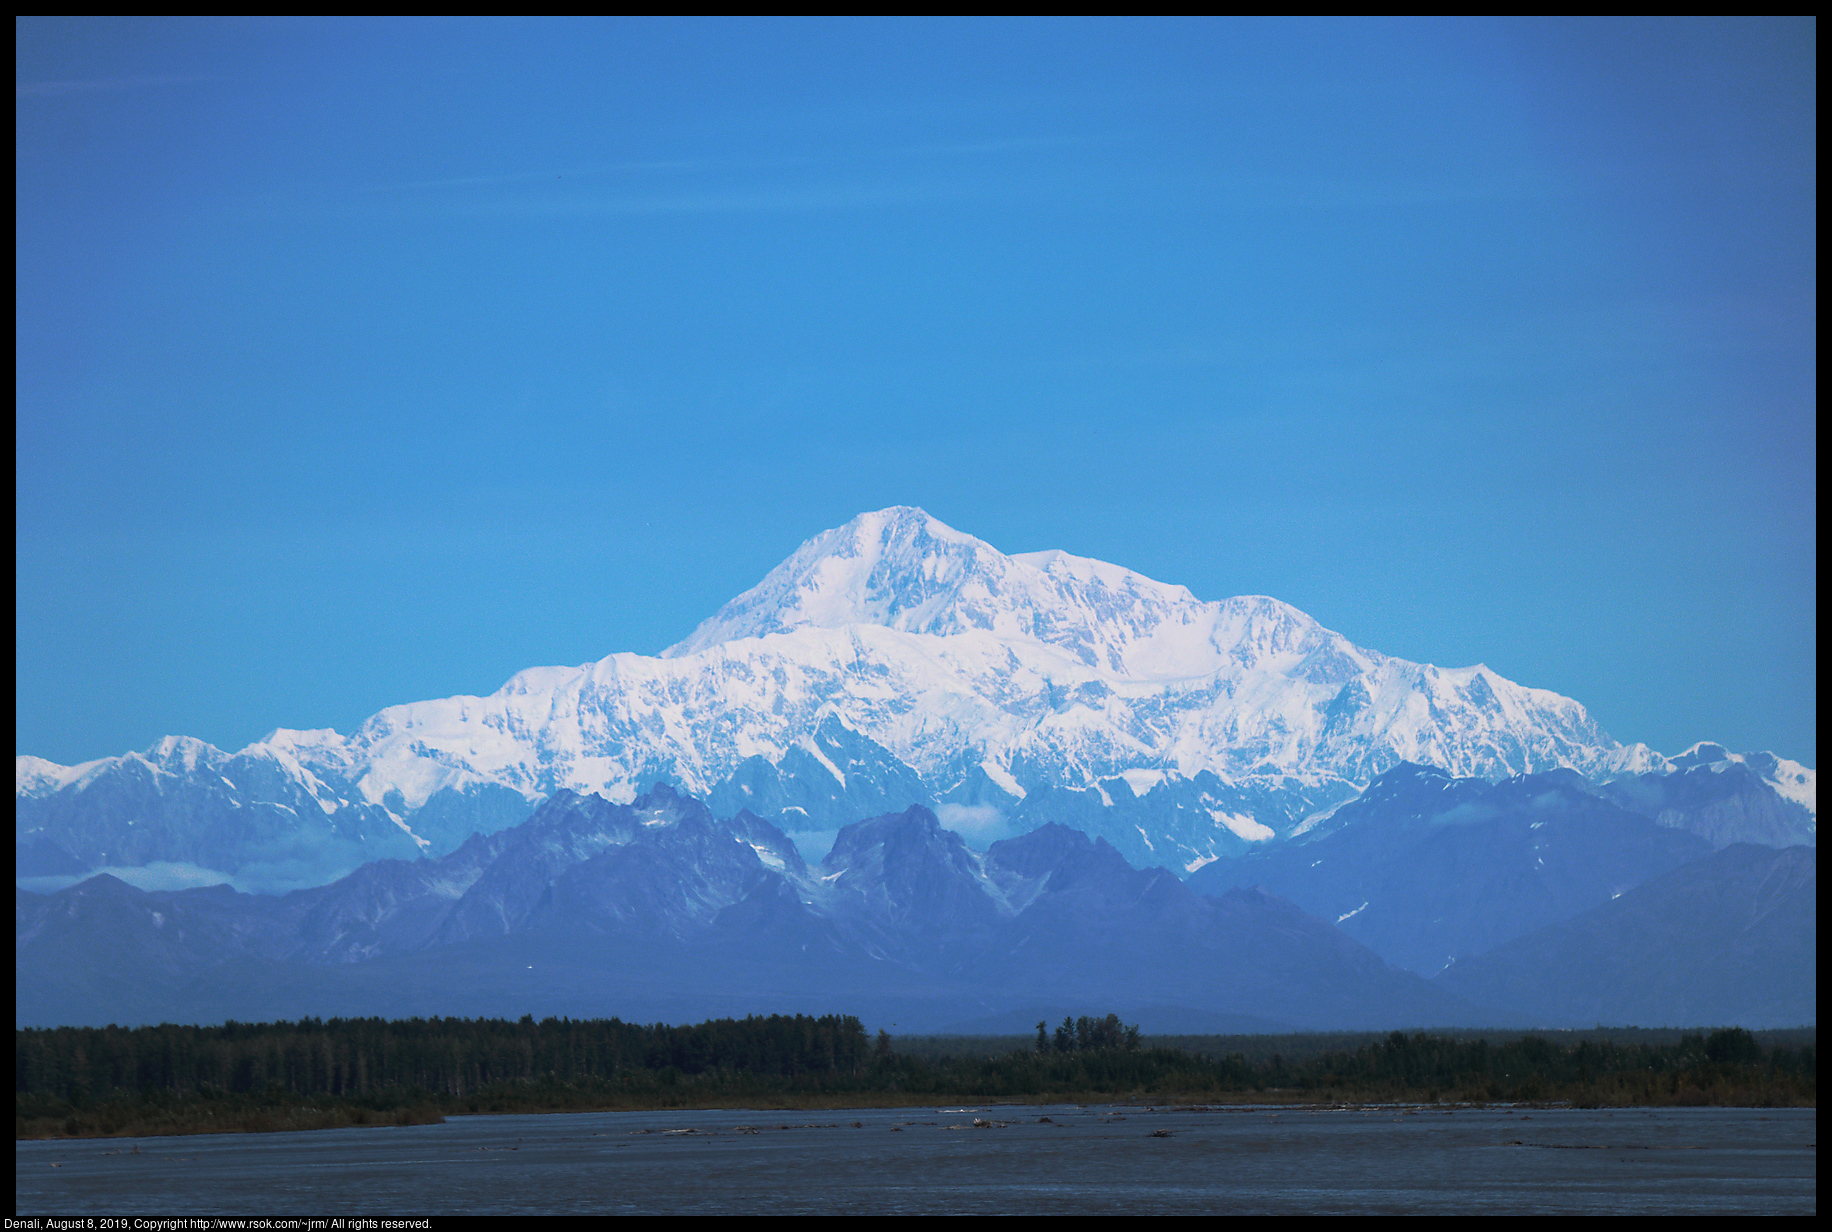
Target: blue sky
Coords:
[(368, 361)]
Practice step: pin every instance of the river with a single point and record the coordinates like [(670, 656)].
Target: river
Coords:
[(986, 1159)]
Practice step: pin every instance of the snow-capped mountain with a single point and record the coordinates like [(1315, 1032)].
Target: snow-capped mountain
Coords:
[(1064, 670), (892, 661), (658, 909), (1423, 868)]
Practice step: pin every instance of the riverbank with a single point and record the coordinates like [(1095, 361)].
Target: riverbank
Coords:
[(279, 1113), (962, 1159), (263, 1078)]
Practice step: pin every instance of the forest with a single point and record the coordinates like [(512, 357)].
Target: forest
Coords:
[(241, 1077)]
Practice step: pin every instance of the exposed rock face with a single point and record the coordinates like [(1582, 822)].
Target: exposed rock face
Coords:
[(1728, 939), (889, 662), (596, 908), (1424, 868)]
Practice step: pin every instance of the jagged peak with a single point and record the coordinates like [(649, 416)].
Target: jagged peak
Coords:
[(180, 754), (897, 632), (35, 776), (1090, 572), (913, 829), (303, 742), (1790, 779), (904, 569), (880, 568), (1703, 753)]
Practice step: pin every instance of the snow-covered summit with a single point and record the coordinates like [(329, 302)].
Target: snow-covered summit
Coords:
[(35, 777), (895, 658), (1039, 669), (1790, 780), (900, 568)]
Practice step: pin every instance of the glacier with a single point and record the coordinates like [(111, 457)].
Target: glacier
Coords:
[(887, 662)]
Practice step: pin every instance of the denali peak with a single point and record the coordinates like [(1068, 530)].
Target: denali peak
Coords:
[(902, 569), (1045, 669), (898, 657)]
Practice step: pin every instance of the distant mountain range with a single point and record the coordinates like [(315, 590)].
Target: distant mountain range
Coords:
[(890, 662), (657, 906), (1730, 938), (659, 909), (911, 777), (1424, 868)]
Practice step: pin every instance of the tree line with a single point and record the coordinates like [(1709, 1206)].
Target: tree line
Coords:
[(312, 1073), (1087, 1034), (451, 1056)]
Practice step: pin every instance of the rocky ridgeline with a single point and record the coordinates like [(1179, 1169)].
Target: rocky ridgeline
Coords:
[(889, 662)]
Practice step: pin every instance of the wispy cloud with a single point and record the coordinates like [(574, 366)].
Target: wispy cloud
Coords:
[(102, 85), (968, 149), (611, 192), (575, 177), (793, 199)]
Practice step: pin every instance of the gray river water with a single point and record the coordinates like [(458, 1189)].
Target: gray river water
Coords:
[(935, 1160)]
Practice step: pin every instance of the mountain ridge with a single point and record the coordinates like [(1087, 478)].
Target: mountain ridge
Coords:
[(658, 908), (944, 671), (590, 906)]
